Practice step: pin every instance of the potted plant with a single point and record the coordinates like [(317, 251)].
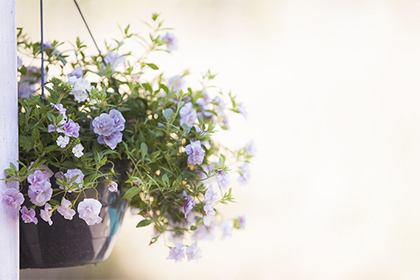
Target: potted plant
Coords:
[(113, 132)]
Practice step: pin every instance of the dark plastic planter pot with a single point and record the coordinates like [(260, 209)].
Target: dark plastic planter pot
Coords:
[(72, 242)]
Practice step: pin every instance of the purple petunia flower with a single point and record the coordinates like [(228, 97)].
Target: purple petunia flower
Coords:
[(119, 121), (65, 209), (46, 214), (40, 194), (193, 252), (111, 140), (114, 59), (188, 114), (204, 232), (71, 173), (28, 215), (176, 83), (78, 73), (113, 186), (188, 205), (103, 125), (245, 174), (195, 153), (89, 210), (170, 41), (71, 129), (177, 253), (226, 228), (223, 178), (109, 127), (12, 198)]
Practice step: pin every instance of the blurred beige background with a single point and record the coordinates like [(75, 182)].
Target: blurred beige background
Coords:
[(333, 94)]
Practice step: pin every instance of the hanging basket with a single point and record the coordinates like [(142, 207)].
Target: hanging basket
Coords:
[(73, 242)]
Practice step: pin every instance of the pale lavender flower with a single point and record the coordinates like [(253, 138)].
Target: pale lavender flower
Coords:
[(226, 228), (46, 214), (114, 59), (89, 210), (71, 129), (210, 197), (223, 179), (119, 120), (241, 221), (65, 209), (104, 124), (177, 253), (38, 178), (188, 205), (71, 173), (188, 114), (195, 152), (60, 108), (51, 128), (78, 150), (170, 41), (111, 140), (62, 141), (176, 83), (245, 174), (28, 215), (26, 90), (12, 198), (40, 194), (242, 109), (193, 252), (78, 73), (210, 213), (19, 62), (40, 190), (204, 232), (113, 186), (251, 148)]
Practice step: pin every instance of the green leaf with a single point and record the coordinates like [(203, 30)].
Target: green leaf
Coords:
[(26, 143), (143, 150), (165, 179), (147, 87), (144, 223), (153, 66), (131, 192), (168, 113)]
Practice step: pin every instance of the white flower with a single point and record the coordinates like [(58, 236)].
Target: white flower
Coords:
[(177, 253), (78, 150), (80, 88), (62, 141), (65, 209), (89, 210), (193, 252)]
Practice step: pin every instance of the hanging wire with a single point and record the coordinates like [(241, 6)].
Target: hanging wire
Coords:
[(114, 83), (42, 51)]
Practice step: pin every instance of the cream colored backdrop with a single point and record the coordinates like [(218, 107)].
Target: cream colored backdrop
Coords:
[(333, 94)]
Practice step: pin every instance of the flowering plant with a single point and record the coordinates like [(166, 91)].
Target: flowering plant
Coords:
[(101, 113)]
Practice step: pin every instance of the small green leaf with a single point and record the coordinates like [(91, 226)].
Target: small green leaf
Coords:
[(153, 66), (168, 113), (144, 223), (143, 150), (131, 192)]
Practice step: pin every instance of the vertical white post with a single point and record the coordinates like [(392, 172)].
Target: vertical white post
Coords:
[(9, 221)]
